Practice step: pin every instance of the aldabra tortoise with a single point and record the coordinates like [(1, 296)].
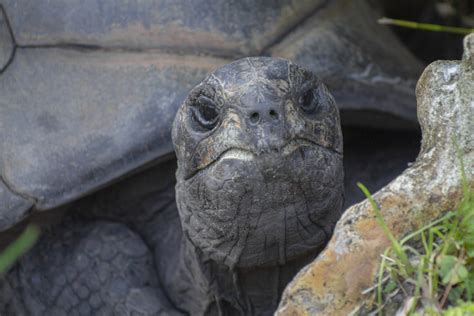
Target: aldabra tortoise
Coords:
[(259, 190), (88, 94)]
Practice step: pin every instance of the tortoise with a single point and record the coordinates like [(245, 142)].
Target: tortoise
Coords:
[(260, 187), (86, 113)]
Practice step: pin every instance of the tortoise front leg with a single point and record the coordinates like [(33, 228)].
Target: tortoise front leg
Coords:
[(98, 268)]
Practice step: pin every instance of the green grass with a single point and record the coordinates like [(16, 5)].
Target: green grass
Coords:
[(17, 248), (426, 26), (431, 269)]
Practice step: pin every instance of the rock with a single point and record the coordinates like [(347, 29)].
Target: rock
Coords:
[(334, 282)]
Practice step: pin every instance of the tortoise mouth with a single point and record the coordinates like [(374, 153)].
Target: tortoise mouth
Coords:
[(244, 154)]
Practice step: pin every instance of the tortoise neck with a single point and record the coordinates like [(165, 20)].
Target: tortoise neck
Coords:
[(218, 289)]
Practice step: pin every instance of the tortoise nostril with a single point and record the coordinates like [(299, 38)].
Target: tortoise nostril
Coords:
[(273, 114), (254, 117)]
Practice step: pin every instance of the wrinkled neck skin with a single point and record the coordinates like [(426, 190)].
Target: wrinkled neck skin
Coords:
[(249, 228), (206, 287)]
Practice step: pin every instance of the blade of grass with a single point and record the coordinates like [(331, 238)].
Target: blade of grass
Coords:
[(419, 281), (395, 244), (380, 281), (17, 248), (464, 182), (425, 244), (410, 236), (426, 26)]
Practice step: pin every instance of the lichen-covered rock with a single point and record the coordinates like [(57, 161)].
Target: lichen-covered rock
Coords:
[(333, 283)]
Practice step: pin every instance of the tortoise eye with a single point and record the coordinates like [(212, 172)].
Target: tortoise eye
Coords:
[(205, 112), (308, 102)]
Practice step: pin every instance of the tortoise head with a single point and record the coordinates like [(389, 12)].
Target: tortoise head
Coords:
[(260, 176)]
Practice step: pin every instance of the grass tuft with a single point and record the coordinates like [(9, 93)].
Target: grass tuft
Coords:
[(430, 271)]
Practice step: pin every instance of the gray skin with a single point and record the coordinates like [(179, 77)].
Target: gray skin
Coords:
[(259, 188)]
